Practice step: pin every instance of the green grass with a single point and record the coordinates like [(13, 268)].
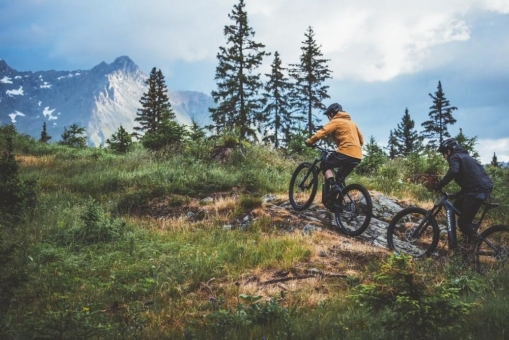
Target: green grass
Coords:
[(143, 277)]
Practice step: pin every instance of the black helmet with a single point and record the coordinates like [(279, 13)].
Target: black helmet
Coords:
[(447, 144), (333, 109)]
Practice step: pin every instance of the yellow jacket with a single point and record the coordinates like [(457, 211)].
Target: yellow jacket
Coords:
[(345, 134)]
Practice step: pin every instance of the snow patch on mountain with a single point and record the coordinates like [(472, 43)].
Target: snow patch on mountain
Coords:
[(100, 99)]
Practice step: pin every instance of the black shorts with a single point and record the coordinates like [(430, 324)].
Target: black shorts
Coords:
[(338, 160)]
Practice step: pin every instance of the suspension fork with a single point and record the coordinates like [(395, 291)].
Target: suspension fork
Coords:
[(312, 168), (430, 215)]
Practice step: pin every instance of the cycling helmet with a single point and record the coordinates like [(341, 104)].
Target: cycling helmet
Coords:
[(333, 109), (447, 144)]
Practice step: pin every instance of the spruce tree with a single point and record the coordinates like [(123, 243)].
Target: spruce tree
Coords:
[(154, 103), (435, 129), (373, 159), (407, 138), (238, 103), (44, 134), (277, 114), (310, 74), (121, 141), (494, 160), (392, 145), (74, 137)]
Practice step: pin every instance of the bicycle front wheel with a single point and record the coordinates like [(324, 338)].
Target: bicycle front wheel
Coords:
[(303, 186), (493, 254), (356, 212), (413, 233)]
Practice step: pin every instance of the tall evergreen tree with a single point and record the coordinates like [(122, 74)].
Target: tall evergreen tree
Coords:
[(494, 160), (277, 114), (154, 103), (310, 74), (238, 103), (407, 138), (435, 129), (392, 145), (44, 134)]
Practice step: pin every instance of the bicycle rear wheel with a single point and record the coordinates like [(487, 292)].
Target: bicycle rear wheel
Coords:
[(354, 217), (400, 233), (303, 186), (495, 259)]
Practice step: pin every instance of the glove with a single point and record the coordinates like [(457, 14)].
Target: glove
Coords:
[(308, 143)]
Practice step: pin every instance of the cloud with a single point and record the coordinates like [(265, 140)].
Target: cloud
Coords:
[(367, 40), (488, 147)]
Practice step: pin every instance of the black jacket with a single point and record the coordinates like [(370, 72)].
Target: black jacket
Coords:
[(467, 172)]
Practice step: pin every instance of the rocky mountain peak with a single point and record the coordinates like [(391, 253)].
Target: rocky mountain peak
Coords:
[(100, 99)]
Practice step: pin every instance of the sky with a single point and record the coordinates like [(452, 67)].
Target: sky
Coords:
[(385, 55)]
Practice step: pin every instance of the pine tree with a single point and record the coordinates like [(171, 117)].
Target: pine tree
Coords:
[(154, 103), (121, 141), (169, 134), (74, 137), (277, 114), (310, 74), (392, 145), (374, 157), (407, 138), (196, 132), (494, 160), (237, 85), (44, 135), (435, 129)]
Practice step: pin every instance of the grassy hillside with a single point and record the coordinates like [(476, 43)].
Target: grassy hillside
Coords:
[(149, 246)]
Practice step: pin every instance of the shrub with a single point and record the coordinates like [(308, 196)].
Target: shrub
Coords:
[(95, 227), (407, 306)]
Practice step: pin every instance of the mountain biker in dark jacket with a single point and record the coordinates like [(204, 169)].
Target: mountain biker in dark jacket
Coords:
[(473, 180)]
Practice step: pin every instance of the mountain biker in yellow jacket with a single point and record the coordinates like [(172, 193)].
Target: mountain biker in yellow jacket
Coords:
[(349, 141)]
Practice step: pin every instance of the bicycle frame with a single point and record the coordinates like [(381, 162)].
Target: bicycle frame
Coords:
[(451, 212)]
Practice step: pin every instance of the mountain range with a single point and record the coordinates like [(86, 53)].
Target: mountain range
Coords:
[(100, 99)]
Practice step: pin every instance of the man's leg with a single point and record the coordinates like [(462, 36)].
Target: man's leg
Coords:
[(468, 206)]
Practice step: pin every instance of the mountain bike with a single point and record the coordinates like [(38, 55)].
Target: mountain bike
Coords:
[(417, 232), (352, 208)]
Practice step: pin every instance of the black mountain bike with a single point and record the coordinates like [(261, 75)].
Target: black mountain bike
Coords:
[(417, 232), (352, 209)]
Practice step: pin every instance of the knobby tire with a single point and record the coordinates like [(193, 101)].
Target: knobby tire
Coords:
[(400, 240)]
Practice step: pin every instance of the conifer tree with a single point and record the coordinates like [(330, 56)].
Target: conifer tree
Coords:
[(121, 141), (494, 160), (238, 103), (196, 132), (407, 138), (374, 157), (277, 114), (154, 103), (435, 129), (44, 134), (392, 145), (74, 137), (310, 74), (467, 143)]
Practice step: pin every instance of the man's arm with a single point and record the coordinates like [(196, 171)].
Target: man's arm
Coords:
[(454, 167)]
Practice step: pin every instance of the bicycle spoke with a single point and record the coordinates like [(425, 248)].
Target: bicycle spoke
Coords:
[(493, 254), (410, 232)]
